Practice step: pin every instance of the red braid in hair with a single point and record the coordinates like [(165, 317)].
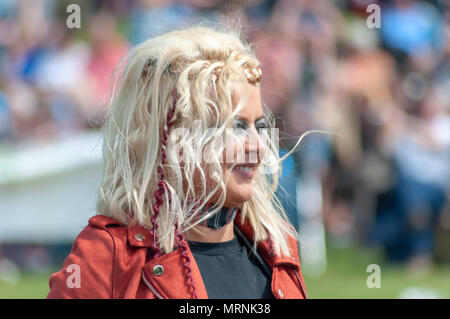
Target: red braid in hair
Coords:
[(158, 194), (187, 261)]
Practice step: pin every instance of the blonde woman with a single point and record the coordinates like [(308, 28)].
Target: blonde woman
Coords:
[(172, 223)]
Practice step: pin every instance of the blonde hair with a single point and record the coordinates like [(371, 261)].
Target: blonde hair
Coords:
[(174, 80)]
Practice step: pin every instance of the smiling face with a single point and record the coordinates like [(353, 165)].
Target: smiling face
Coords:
[(243, 154)]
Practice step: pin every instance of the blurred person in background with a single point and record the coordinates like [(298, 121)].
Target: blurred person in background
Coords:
[(107, 48)]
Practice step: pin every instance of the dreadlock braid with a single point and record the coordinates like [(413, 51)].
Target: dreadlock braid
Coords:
[(158, 194), (187, 260)]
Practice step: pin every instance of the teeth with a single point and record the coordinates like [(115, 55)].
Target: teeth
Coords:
[(246, 169)]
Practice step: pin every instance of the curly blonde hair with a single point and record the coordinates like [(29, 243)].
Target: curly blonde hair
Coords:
[(174, 80)]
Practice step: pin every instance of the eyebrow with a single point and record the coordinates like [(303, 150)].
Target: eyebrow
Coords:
[(239, 117)]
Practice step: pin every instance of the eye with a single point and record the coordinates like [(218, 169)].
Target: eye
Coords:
[(240, 126), (261, 124)]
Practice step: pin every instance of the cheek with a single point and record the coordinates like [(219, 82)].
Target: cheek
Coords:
[(234, 151), (199, 182)]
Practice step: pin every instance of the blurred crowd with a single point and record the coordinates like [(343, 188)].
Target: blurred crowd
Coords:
[(386, 92)]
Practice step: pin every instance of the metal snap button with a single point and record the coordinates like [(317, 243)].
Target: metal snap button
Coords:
[(139, 237), (158, 270), (280, 293)]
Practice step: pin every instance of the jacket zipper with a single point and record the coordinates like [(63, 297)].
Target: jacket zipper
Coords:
[(153, 289), (300, 282)]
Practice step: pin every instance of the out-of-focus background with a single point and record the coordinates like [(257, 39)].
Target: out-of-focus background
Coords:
[(376, 195)]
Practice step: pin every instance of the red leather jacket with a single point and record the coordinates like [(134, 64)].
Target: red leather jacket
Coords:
[(110, 261)]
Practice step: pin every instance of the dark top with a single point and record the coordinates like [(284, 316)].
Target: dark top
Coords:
[(231, 271)]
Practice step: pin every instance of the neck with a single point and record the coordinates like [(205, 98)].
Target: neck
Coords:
[(207, 235)]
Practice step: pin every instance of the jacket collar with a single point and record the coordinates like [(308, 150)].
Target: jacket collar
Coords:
[(265, 247), (138, 236)]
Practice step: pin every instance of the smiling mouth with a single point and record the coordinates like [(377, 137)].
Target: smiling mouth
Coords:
[(245, 170)]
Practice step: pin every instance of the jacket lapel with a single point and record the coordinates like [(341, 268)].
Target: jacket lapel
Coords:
[(286, 273), (165, 276), (173, 283), (265, 249)]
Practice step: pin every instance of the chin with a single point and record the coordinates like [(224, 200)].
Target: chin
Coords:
[(239, 195)]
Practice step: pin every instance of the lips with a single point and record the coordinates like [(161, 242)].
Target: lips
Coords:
[(245, 170)]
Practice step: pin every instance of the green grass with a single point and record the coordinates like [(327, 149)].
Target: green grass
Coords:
[(30, 286), (345, 278)]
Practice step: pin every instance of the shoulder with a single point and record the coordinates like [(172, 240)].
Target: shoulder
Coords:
[(103, 229), (88, 270), (102, 222), (99, 237), (96, 237)]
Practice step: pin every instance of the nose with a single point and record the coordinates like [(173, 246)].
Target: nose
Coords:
[(255, 147)]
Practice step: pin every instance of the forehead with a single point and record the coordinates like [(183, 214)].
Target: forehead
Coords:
[(250, 95)]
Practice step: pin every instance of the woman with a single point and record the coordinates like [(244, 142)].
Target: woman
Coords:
[(186, 205)]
